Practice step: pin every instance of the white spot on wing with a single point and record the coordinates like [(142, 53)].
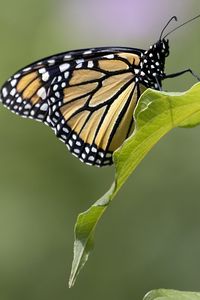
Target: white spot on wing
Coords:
[(17, 75), (42, 93), (57, 94), (87, 149), (13, 82), (77, 150), (5, 92), (101, 154), (28, 106), (109, 56), (13, 92), (91, 158), (19, 100), (65, 130), (87, 52), (70, 143), (8, 101), (55, 87), (40, 117), (83, 155), (45, 76), (63, 137), (66, 74), (90, 64), (27, 69), (51, 61), (49, 120), (68, 56), (79, 66), (64, 67), (42, 70), (44, 107), (79, 61)]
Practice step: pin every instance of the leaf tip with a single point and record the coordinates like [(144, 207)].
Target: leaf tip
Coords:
[(71, 281)]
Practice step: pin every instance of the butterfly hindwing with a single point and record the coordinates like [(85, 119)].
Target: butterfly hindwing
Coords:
[(94, 112)]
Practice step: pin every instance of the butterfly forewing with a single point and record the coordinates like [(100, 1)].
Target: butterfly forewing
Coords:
[(86, 96), (25, 94)]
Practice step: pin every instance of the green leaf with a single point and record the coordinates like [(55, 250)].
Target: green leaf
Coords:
[(155, 115), (84, 233), (162, 294)]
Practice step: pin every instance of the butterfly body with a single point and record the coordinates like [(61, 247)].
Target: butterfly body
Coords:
[(87, 96)]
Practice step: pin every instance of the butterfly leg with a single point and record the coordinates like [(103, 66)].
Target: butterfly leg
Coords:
[(181, 73), (158, 84)]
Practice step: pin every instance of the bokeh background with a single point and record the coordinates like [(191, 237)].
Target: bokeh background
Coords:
[(150, 236)]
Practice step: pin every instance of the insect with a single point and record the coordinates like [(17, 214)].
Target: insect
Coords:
[(88, 96)]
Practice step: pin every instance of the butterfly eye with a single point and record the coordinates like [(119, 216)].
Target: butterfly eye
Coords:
[(166, 53)]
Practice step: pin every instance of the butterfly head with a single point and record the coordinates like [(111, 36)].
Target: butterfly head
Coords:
[(152, 62), (162, 47), (158, 52)]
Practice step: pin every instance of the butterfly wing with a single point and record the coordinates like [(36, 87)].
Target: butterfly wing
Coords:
[(86, 96)]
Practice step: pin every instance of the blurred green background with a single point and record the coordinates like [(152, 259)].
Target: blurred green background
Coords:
[(149, 238)]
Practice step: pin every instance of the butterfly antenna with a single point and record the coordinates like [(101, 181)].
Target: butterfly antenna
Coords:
[(181, 25), (171, 19)]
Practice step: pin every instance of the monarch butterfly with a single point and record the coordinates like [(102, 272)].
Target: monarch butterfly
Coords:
[(88, 96)]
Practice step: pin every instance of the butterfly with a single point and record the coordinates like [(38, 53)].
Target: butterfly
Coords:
[(88, 96)]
